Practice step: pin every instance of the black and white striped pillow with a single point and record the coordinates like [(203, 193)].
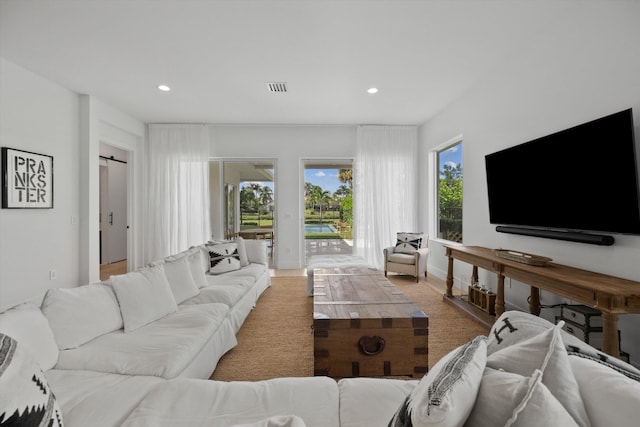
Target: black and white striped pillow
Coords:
[(446, 394)]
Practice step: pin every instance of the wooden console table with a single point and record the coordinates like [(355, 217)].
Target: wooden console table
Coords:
[(611, 295)]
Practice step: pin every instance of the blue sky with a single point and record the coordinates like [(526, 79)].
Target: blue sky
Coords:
[(325, 178), (452, 156)]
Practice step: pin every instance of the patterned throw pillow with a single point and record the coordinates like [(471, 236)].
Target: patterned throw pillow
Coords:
[(26, 399), (408, 243), (446, 394), (223, 257)]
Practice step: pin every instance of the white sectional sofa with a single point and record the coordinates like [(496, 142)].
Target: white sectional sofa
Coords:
[(527, 372)]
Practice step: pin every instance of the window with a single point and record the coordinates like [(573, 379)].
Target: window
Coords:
[(449, 190)]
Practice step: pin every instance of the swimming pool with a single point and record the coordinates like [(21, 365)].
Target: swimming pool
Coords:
[(319, 228)]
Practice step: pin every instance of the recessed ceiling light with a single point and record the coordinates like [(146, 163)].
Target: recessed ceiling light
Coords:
[(164, 88), (372, 90)]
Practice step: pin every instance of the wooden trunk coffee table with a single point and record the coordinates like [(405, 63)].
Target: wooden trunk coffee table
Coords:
[(364, 326)]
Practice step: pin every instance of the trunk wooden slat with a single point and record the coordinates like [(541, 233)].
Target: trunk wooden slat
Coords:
[(364, 326)]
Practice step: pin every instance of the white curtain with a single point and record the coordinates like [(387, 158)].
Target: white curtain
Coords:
[(385, 188), (178, 189)]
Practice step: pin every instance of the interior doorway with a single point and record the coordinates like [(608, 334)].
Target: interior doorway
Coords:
[(113, 205)]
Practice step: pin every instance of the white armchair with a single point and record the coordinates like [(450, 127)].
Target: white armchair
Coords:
[(406, 258)]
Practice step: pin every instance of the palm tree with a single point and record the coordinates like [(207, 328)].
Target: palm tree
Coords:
[(308, 191), (320, 196), (265, 198), (346, 176)]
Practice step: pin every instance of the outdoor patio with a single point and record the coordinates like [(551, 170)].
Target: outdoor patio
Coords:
[(328, 246)]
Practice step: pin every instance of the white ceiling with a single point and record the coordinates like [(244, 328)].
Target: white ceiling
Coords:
[(217, 56)]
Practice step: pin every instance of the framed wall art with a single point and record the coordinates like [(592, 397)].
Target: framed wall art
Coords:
[(27, 180)]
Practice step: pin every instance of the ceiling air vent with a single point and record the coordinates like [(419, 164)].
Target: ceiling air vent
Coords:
[(277, 87)]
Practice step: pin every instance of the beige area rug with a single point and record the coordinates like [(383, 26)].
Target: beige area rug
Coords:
[(276, 339)]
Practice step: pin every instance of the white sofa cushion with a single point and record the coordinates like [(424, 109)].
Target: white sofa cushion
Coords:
[(357, 395), (545, 352), (447, 393), (252, 270), (163, 348), (596, 380), (180, 278), (83, 396), (27, 399), (227, 291), (223, 404), (507, 399), (26, 324), (78, 315), (144, 295)]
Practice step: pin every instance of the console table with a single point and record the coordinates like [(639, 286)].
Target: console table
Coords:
[(611, 295)]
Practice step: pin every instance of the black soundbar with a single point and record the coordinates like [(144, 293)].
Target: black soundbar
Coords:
[(571, 236)]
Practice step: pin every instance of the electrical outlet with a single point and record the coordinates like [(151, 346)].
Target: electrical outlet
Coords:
[(52, 275)]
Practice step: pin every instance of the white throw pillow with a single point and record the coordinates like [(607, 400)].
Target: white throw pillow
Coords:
[(514, 326), (242, 251), (545, 352), (27, 325), (27, 399), (180, 278), (256, 251), (508, 399), (622, 403), (447, 393), (223, 258), (198, 266), (408, 243), (144, 295), (78, 315)]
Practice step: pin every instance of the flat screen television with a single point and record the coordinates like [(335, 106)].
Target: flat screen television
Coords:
[(580, 180)]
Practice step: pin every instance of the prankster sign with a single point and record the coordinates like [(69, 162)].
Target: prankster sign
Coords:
[(27, 179)]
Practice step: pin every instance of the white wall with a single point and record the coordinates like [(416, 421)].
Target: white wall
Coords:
[(41, 116), (38, 116), (584, 68), (288, 145)]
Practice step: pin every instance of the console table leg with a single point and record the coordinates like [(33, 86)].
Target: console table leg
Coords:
[(450, 277), (500, 296), (610, 343), (534, 301)]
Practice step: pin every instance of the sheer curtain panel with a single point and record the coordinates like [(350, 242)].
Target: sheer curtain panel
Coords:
[(178, 189), (385, 188)]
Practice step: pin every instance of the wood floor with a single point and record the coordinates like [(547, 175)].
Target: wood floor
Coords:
[(108, 270)]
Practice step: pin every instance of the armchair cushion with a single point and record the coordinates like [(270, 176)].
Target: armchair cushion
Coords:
[(401, 258), (408, 242)]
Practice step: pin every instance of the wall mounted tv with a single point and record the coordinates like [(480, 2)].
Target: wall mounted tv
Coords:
[(569, 184)]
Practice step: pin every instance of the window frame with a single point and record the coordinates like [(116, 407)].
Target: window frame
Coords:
[(434, 185)]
